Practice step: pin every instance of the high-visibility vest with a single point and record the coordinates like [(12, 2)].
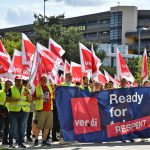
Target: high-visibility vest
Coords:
[(2, 85), (2, 97), (38, 104), (23, 104), (66, 84), (82, 87)]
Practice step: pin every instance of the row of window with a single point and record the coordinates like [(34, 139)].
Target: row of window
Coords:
[(94, 22), (95, 34), (116, 27)]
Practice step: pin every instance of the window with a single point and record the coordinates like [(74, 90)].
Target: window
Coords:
[(116, 27), (92, 22), (104, 21), (94, 34)]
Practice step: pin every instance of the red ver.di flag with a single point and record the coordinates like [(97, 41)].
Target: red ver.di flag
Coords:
[(86, 115)]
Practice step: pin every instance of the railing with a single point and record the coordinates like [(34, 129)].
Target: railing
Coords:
[(142, 47)]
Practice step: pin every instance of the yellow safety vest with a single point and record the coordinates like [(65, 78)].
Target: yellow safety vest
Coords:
[(3, 99), (66, 84), (89, 89), (2, 85), (38, 104), (23, 104)]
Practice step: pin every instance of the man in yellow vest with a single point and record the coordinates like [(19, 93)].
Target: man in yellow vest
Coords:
[(19, 105), (68, 80), (5, 117), (43, 105), (85, 84)]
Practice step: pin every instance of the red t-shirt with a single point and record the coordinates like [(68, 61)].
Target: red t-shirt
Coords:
[(47, 98)]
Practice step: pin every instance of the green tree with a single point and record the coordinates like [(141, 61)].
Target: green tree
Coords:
[(111, 70), (67, 37), (11, 41), (133, 65)]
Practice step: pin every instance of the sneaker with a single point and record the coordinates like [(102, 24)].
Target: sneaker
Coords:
[(131, 140), (21, 146), (5, 143), (36, 142), (45, 143), (55, 140), (29, 139), (33, 136), (62, 142), (11, 146)]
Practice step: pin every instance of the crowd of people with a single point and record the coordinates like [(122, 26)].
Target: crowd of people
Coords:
[(24, 114)]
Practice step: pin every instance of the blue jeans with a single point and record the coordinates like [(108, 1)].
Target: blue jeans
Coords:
[(17, 125)]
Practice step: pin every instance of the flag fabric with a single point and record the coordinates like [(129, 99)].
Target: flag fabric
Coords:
[(53, 56), (90, 63), (28, 50), (76, 72), (36, 71), (3, 50), (85, 58), (101, 78), (96, 63), (110, 78), (107, 115), (59, 79), (21, 70), (6, 67), (144, 67), (122, 68), (66, 68), (55, 48), (47, 63)]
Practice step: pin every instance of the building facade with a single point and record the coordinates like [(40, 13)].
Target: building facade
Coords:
[(123, 25)]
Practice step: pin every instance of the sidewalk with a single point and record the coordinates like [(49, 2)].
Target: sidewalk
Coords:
[(138, 145)]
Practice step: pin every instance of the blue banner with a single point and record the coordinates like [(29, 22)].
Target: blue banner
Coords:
[(112, 115)]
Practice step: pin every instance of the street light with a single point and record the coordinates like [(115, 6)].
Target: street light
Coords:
[(139, 34), (44, 9)]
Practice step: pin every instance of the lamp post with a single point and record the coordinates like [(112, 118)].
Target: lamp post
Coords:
[(139, 37), (44, 9)]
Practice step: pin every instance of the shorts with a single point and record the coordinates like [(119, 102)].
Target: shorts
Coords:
[(44, 119)]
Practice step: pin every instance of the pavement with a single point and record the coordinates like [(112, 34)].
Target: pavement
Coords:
[(138, 145)]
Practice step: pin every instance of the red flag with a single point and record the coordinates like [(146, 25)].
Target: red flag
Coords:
[(47, 63), (100, 78), (3, 50), (36, 71), (59, 79), (55, 48), (96, 63), (55, 58), (6, 67), (110, 78), (76, 72), (85, 58), (89, 61), (66, 68), (28, 50), (122, 69), (144, 67), (19, 69)]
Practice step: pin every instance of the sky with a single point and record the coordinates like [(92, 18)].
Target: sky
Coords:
[(21, 12)]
